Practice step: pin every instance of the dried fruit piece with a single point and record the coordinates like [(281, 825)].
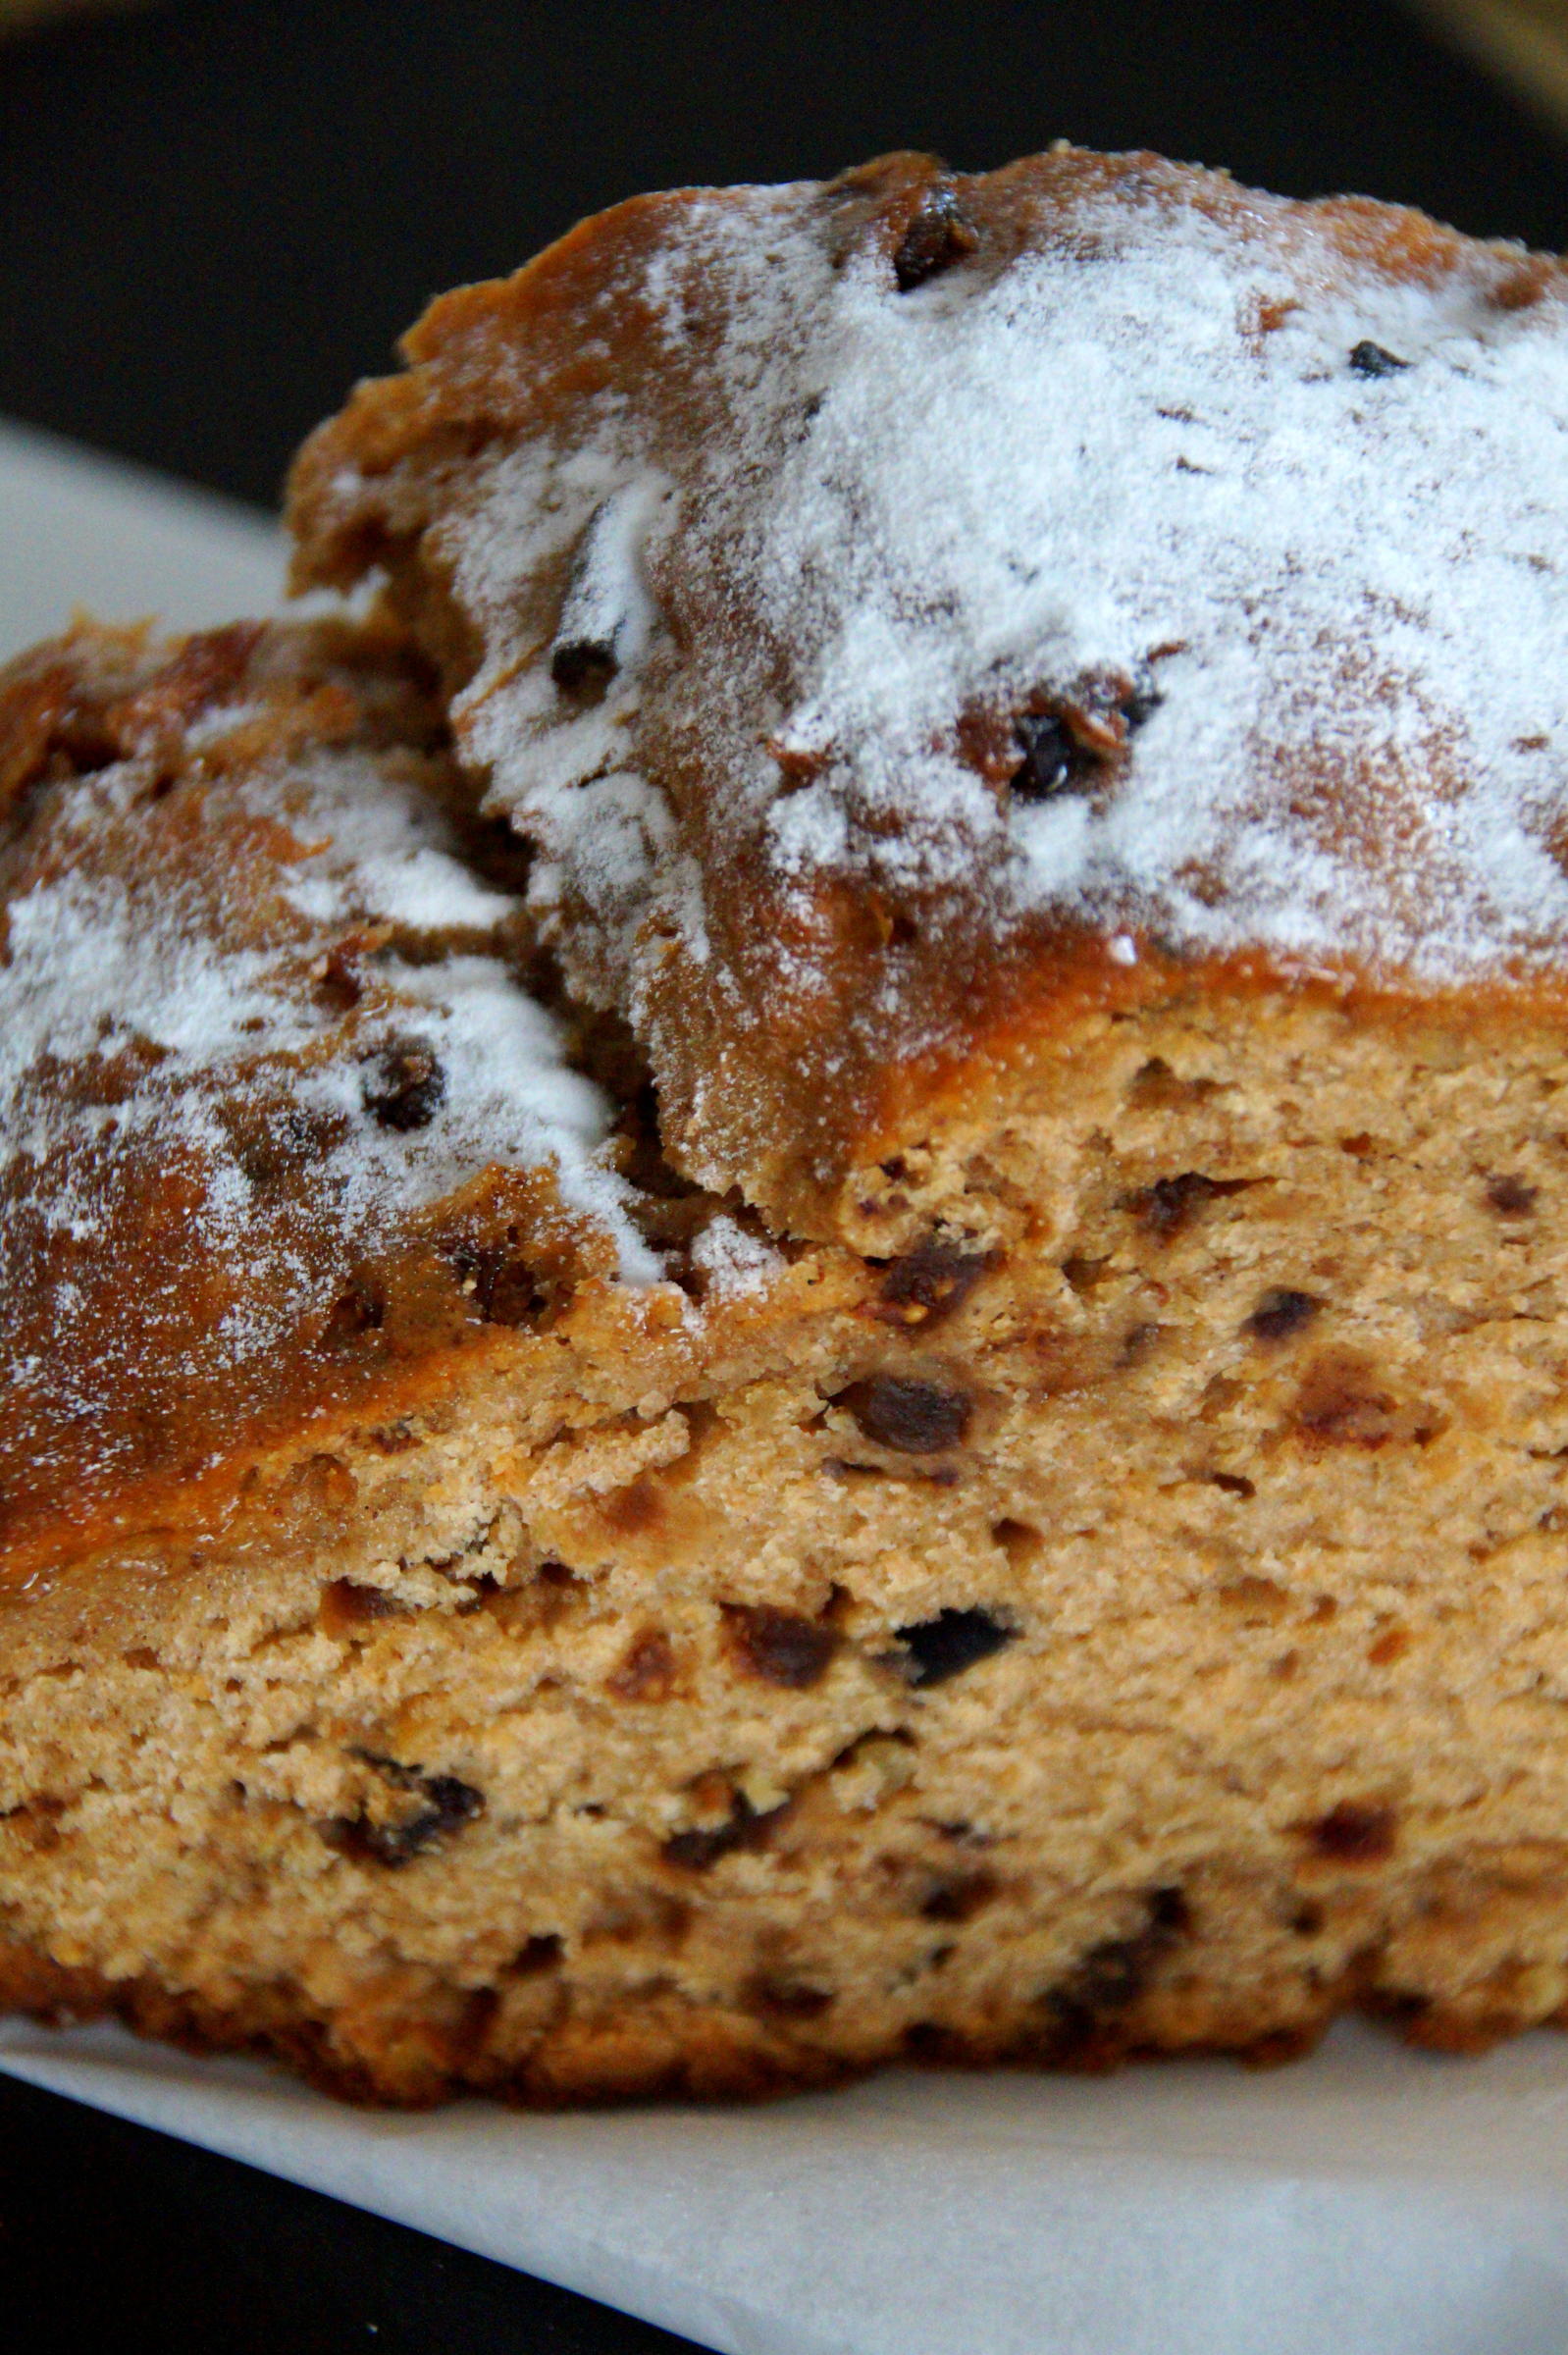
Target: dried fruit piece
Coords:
[(783, 1647), (952, 1642), (1280, 1313), (1371, 359), (940, 233), (405, 1085), (931, 1281), (914, 1418)]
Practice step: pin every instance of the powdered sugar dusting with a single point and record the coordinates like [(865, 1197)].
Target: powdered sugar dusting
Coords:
[(1146, 441), (179, 1005), (733, 1261)]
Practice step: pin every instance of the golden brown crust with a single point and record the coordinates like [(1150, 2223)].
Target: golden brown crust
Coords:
[(915, 988)]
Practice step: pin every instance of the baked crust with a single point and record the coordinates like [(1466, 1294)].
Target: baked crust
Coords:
[(848, 824)]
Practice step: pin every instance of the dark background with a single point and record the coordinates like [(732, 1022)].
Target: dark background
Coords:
[(214, 216)]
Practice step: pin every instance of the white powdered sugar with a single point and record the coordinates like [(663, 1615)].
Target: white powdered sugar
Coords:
[(190, 1035), (1318, 514), (733, 1261)]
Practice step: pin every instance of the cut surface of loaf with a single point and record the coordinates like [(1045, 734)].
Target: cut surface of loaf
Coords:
[(654, 1445)]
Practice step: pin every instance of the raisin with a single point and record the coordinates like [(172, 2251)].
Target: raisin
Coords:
[(959, 1896), (931, 1282), (448, 1804), (1111, 1976), (940, 233), (541, 1952), (1355, 1833), (914, 1418), (781, 1647), (1052, 761), (1278, 1314), (1371, 359), (1510, 1197), (579, 663), (788, 1998), (695, 1851), (952, 1642), (405, 1088), (1165, 1208)]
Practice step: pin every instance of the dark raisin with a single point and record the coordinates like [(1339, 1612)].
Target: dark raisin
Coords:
[(781, 1647), (579, 663), (1053, 763), (1355, 1833), (1171, 1203), (931, 1282), (787, 1998), (959, 1896), (940, 235), (1510, 1197), (1141, 706), (1113, 1975), (1232, 1483), (1280, 1314), (540, 1952), (914, 1418), (952, 1642), (448, 1804), (405, 1087), (1371, 359), (695, 1851)]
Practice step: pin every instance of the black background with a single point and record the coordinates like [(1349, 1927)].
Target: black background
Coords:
[(213, 217)]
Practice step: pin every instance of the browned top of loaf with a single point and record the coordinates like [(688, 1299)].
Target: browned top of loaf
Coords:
[(909, 610), (283, 1136)]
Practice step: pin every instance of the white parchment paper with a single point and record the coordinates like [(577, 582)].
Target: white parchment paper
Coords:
[(1369, 2201)]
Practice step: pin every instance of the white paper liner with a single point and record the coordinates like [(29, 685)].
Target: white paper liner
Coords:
[(1370, 2201), (81, 530)]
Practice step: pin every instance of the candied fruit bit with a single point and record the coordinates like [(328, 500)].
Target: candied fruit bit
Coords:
[(647, 1670), (1113, 1975), (1051, 763), (446, 1804), (952, 1642), (345, 1606), (914, 1418), (782, 1648)]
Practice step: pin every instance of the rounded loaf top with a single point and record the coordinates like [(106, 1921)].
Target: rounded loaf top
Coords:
[(852, 586)]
